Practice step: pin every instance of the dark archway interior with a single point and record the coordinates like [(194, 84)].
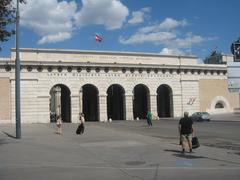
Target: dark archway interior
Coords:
[(115, 103), (219, 106), (140, 102), (90, 103), (164, 101), (65, 104)]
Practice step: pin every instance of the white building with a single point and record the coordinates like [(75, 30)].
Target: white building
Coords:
[(116, 85)]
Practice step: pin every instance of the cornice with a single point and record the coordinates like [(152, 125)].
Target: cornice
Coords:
[(73, 51), (114, 65)]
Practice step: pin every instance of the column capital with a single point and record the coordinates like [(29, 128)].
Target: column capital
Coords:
[(102, 95), (57, 89), (129, 94), (153, 94)]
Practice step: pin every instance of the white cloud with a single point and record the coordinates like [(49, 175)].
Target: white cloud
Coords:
[(61, 36), (157, 34), (167, 34), (109, 13), (139, 16), (154, 37), (188, 41), (170, 23), (167, 24), (50, 19), (55, 20), (168, 51)]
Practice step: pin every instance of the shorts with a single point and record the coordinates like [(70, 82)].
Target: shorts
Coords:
[(185, 137)]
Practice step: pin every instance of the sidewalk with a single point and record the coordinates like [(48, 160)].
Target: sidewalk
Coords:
[(230, 117), (105, 153), (225, 117)]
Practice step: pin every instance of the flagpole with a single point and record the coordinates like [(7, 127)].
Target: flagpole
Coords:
[(17, 78)]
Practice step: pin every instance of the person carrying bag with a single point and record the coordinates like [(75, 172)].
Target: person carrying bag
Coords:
[(81, 127), (186, 130)]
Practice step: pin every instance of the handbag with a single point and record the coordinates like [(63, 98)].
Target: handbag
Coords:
[(80, 129), (195, 142)]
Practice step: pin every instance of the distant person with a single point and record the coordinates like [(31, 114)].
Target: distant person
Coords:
[(149, 118), (185, 131), (52, 116), (59, 125), (81, 127)]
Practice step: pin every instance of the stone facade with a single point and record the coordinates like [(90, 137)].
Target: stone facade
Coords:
[(111, 85), (5, 99), (214, 91)]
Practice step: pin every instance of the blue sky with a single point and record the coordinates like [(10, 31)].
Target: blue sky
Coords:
[(183, 27)]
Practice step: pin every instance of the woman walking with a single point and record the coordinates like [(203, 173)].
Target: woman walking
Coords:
[(59, 125)]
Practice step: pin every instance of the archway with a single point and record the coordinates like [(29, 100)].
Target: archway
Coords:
[(90, 102), (219, 105), (60, 102), (140, 101), (164, 101), (116, 102)]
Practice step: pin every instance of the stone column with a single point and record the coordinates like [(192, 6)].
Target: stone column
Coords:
[(153, 103), (74, 108), (129, 106), (57, 94), (103, 107), (80, 101)]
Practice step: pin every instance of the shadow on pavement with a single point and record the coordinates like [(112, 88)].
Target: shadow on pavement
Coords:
[(9, 135), (186, 155)]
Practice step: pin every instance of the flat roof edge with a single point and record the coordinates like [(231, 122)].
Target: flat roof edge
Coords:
[(71, 51)]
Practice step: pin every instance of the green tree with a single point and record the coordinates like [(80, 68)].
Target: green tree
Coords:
[(7, 17)]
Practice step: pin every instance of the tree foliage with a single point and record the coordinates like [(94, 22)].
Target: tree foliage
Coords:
[(7, 17)]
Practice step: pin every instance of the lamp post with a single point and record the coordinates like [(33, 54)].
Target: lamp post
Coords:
[(17, 78)]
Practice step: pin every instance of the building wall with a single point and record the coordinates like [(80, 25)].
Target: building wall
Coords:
[(69, 56), (212, 91), (5, 99), (35, 88), (189, 92), (189, 84)]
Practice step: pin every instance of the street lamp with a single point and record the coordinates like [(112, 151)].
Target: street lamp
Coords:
[(17, 78)]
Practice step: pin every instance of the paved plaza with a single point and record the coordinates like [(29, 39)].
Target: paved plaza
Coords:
[(119, 150)]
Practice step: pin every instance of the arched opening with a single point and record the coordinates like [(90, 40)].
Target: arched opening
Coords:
[(90, 102), (140, 101), (219, 105), (60, 103), (116, 102), (164, 101)]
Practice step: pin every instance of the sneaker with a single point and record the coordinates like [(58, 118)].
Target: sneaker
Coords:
[(190, 150)]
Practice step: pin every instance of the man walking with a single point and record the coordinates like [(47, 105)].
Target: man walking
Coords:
[(149, 118), (185, 131)]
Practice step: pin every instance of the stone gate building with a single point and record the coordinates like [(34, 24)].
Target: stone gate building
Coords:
[(111, 85)]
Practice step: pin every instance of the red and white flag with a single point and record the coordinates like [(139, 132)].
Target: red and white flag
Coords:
[(98, 38)]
